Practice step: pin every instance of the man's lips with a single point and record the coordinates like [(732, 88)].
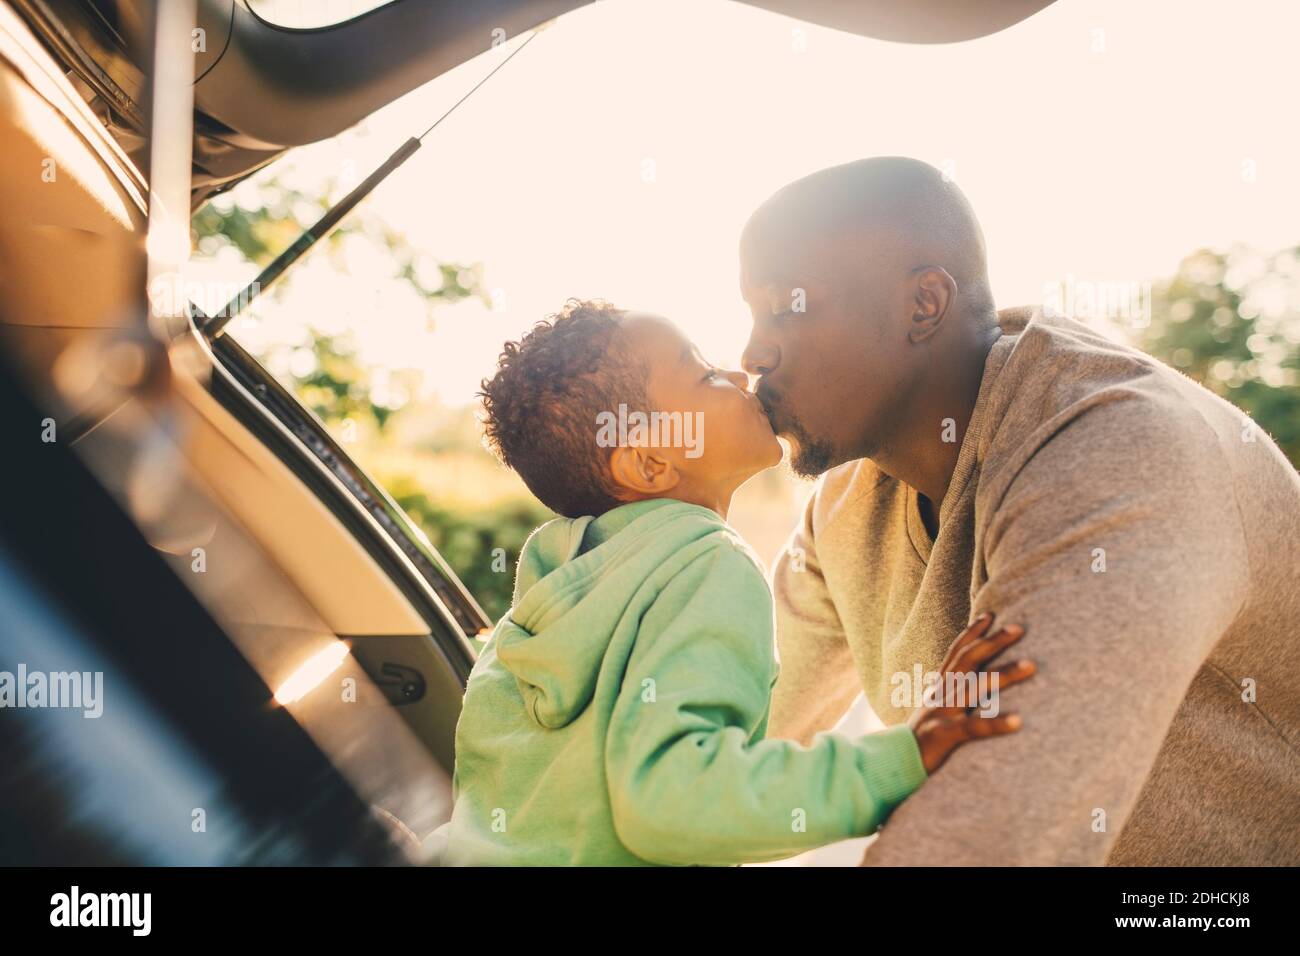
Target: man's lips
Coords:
[(767, 403)]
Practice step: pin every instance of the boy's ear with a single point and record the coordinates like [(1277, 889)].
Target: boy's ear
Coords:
[(643, 471)]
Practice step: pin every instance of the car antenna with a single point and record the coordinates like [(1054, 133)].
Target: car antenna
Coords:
[(215, 324)]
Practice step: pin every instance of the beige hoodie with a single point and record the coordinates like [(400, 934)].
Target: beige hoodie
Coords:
[(1147, 535)]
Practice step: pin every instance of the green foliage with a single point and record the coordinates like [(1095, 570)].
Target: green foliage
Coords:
[(261, 233), (337, 388), (1232, 322), (482, 544)]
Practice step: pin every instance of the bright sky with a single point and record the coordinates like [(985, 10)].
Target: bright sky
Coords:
[(620, 154)]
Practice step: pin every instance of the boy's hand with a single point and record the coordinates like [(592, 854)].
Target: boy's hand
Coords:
[(944, 725)]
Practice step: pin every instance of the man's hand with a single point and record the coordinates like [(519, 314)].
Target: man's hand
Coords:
[(944, 725)]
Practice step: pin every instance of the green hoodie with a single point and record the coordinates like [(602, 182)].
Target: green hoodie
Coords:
[(616, 715)]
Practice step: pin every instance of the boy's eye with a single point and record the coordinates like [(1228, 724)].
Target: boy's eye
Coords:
[(710, 375)]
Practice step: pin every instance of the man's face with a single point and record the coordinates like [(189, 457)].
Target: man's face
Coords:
[(832, 376)]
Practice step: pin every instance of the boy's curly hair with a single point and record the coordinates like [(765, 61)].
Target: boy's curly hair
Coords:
[(540, 408)]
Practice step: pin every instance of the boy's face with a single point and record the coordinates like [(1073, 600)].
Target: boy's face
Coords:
[(725, 437)]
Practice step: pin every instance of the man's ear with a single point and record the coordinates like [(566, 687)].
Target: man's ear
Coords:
[(642, 470), (933, 295)]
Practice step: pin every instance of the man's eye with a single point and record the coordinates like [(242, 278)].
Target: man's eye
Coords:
[(710, 375)]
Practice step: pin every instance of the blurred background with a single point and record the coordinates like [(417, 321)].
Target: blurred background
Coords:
[(1132, 164)]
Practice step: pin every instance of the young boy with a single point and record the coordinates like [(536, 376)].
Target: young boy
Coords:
[(617, 713)]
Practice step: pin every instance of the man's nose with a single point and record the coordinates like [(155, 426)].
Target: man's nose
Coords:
[(760, 357)]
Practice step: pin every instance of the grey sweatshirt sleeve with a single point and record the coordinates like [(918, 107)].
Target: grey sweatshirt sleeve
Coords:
[(1147, 491), (818, 681)]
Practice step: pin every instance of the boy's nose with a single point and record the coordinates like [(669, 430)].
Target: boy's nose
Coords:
[(737, 378)]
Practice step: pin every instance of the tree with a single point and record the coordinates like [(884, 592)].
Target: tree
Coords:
[(1231, 320), (336, 387)]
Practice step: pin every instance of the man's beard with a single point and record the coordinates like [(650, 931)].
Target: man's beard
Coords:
[(813, 456)]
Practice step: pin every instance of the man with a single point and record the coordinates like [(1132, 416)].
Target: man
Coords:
[(1144, 532)]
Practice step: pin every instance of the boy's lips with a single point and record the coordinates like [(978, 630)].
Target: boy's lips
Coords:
[(766, 403)]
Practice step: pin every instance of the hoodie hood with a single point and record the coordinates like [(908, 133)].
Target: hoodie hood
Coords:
[(575, 578)]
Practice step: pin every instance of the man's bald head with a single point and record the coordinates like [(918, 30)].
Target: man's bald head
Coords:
[(869, 294), (885, 205)]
